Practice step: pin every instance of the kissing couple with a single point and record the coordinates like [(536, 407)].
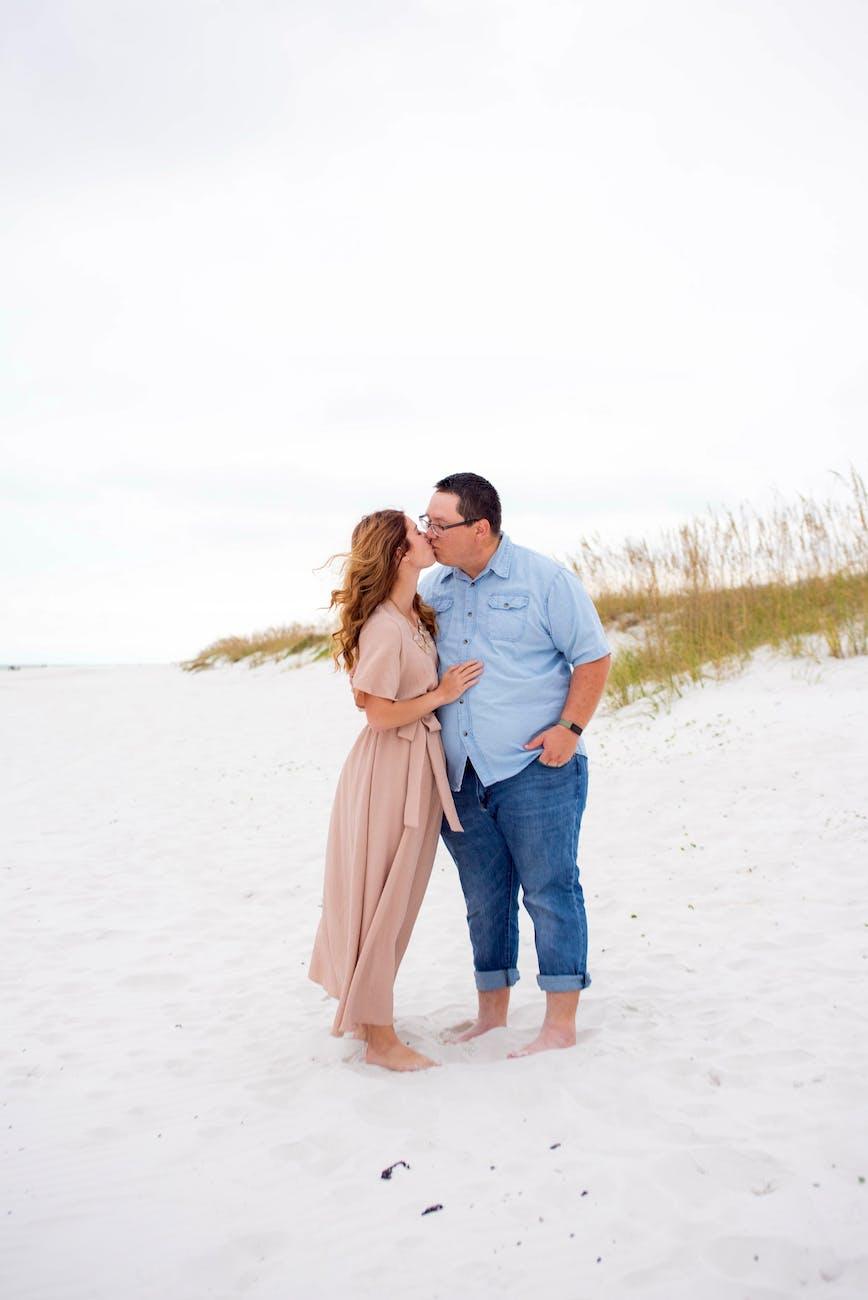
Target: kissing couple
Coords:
[(476, 688)]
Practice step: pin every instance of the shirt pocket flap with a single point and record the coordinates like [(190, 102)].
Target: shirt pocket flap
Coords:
[(440, 603), (508, 602)]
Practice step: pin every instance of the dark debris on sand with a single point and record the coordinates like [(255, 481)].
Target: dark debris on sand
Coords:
[(387, 1173)]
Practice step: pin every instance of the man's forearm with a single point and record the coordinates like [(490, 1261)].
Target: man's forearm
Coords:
[(586, 690)]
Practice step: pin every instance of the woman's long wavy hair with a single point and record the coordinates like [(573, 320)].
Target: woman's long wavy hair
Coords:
[(378, 545)]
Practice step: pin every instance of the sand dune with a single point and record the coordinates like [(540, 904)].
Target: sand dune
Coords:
[(177, 1121)]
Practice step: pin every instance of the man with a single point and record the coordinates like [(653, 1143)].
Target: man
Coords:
[(514, 753)]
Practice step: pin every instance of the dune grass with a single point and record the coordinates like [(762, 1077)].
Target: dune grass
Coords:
[(697, 601), (703, 597), (274, 643)]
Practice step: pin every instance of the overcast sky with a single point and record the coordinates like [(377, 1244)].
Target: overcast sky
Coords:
[(269, 266)]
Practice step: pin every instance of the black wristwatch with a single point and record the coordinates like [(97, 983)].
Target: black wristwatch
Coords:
[(571, 726)]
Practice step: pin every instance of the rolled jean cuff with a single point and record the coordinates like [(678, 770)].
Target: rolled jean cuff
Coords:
[(563, 983), (486, 980)]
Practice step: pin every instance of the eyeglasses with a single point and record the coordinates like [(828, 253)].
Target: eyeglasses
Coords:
[(437, 529)]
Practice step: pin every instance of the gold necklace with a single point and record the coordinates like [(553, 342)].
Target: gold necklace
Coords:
[(420, 635)]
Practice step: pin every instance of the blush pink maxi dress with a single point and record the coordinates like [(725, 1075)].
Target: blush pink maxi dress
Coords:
[(391, 796)]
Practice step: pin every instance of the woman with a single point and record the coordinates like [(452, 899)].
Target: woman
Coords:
[(392, 791)]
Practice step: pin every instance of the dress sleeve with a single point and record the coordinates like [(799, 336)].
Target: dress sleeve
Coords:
[(378, 671)]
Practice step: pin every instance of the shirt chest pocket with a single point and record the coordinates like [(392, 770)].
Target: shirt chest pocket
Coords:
[(442, 606), (507, 616)]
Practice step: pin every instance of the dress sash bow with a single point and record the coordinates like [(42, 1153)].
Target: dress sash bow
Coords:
[(424, 739)]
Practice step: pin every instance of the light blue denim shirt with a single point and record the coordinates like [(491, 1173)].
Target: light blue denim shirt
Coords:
[(530, 621)]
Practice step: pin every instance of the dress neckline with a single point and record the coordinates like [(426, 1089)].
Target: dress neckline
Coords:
[(421, 637)]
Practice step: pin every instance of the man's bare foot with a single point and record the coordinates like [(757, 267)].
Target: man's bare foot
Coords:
[(548, 1038), (472, 1029), (493, 1007), (398, 1056)]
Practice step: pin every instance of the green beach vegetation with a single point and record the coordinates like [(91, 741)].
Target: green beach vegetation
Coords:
[(695, 602)]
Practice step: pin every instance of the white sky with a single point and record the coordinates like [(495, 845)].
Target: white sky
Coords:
[(268, 266)]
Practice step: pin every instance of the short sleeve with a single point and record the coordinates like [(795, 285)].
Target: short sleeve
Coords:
[(574, 623), (378, 670)]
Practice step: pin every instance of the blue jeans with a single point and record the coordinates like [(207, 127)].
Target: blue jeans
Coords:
[(524, 831)]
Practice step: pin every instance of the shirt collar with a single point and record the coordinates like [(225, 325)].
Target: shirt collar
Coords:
[(500, 560), (499, 563)]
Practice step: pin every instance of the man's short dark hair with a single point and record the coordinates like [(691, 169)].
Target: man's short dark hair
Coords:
[(477, 498)]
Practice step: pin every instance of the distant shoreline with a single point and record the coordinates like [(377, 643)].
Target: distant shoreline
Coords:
[(116, 663)]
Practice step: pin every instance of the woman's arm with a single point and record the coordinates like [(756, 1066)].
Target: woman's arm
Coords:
[(384, 715)]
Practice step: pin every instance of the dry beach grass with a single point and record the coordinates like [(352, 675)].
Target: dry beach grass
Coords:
[(698, 600), (275, 643), (703, 597)]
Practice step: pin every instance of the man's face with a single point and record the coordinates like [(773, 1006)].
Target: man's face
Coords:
[(457, 544)]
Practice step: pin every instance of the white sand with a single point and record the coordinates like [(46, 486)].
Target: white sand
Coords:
[(178, 1124)]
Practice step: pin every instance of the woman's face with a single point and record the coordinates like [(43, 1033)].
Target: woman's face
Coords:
[(420, 553)]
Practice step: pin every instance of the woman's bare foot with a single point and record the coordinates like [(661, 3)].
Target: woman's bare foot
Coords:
[(386, 1049), (400, 1057)]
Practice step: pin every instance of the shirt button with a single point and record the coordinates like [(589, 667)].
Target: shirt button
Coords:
[(470, 613), (466, 642), (461, 701), (465, 733)]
